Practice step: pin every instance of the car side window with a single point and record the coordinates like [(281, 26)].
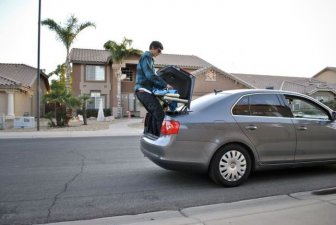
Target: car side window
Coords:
[(303, 108), (242, 107), (268, 105), (261, 105)]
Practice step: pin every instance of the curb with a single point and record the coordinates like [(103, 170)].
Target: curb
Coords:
[(68, 134), (118, 129)]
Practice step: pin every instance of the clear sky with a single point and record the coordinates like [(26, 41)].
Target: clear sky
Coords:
[(272, 37)]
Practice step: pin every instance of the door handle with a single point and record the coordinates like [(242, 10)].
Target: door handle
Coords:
[(302, 128), (251, 127)]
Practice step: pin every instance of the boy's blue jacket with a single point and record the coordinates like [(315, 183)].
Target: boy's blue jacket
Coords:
[(146, 76)]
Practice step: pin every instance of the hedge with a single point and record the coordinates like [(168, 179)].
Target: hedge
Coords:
[(94, 112)]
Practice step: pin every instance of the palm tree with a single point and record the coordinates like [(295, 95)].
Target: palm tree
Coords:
[(60, 72), (119, 52), (67, 34)]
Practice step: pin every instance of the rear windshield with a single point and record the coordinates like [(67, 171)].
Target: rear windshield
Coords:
[(205, 101)]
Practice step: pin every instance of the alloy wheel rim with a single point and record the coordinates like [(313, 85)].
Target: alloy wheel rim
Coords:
[(232, 165)]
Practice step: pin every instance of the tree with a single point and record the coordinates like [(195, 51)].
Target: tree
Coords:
[(60, 72), (67, 34), (119, 52), (61, 99)]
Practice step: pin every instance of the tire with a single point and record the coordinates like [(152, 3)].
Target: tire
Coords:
[(230, 166)]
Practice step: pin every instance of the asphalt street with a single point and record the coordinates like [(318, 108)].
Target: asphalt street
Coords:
[(62, 179)]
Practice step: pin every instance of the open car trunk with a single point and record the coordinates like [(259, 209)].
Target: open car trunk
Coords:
[(182, 81)]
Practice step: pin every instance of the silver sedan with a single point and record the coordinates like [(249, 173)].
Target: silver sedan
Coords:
[(228, 134)]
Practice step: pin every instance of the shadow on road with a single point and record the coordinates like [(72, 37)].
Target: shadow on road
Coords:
[(286, 175)]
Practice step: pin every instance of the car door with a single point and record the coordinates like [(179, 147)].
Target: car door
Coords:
[(267, 122), (316, 131)]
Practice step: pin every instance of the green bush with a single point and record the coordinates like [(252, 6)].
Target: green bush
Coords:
[(107, 112), (94, 112), (50, 116)]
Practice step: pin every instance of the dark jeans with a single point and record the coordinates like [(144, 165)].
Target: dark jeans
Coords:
[(155, 115)]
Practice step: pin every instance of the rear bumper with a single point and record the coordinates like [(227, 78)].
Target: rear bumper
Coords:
[(171, 154)]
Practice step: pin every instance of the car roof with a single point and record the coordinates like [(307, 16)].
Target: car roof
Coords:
[(253, 91), (241, 92)]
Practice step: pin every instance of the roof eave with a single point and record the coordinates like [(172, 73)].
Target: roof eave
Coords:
[(326, 89), (91, 62), (183, 66)]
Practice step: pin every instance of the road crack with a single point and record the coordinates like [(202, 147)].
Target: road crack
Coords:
[(57, 196)]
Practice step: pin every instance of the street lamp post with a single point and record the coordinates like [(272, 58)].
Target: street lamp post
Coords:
[(38, 68)]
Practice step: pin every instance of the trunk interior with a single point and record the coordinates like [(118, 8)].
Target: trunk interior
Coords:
[(180, 80)]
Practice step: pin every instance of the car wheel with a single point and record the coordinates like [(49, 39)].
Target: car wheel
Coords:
[(230, 166)]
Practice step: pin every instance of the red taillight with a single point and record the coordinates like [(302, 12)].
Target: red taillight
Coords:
[(170, 127)]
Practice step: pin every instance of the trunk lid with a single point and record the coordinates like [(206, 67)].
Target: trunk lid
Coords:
[(180, 80)]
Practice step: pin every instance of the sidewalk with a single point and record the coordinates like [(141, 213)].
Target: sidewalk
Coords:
[(117, 127), (316, 208)]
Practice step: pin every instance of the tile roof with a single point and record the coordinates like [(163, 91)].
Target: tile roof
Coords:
[(264, 81), (288, 86), (18, 74), (185, 61), (79, 55), (7, 82), (298, 84)]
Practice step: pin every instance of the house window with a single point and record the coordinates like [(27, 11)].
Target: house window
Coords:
[(295, 106), (322, 98), (96, 98), (128, 72), (95, 73)]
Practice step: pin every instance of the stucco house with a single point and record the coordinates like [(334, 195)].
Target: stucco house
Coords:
[(94, 74), (211, 78), (314, 87), (18, 90), (328, 75)]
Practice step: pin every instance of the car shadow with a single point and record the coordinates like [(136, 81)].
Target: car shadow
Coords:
[(257, 177), (290, 173), (184, 178)]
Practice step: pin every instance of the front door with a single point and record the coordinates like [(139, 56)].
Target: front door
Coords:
[(316, 132)]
